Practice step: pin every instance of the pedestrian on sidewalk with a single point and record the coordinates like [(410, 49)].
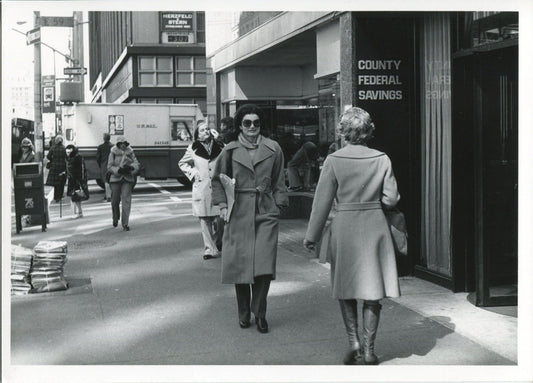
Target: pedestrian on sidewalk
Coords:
[(28, 155), (57, 166), (251, 232), (361, 251), (299, 167), (102, 155), (124, 167), (198, 164), (77, 188)]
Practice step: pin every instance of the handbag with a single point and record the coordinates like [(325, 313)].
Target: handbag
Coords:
[(108, 176), (398, 228)]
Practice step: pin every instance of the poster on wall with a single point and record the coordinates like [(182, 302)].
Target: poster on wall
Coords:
[(116, 124)]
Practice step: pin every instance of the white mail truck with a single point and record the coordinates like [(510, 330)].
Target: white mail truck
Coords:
[(158, 133)]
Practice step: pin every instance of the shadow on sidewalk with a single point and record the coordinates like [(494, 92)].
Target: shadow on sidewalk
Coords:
[(440, 326)]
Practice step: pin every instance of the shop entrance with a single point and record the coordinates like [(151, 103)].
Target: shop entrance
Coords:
[(486, 192)]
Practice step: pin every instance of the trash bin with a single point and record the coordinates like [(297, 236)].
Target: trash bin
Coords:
[(29, 192)]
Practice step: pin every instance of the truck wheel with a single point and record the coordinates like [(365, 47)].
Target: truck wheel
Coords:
[(100, 183), (184, 181)]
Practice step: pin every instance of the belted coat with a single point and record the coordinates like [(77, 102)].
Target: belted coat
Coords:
[(363, 263), (251, 236), (199, 166)]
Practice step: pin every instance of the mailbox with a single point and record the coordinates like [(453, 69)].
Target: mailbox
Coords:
[(29, 192)]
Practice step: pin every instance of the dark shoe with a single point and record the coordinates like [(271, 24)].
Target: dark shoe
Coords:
[(126, 228), (115, 223), (353, 357), (262, 325), (108, 199), (208, 256), (371, 313), (244, 323)]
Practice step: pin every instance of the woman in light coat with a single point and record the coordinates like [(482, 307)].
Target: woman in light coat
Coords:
[(361, 251), (251, 235), (198, 164), (123, 166)]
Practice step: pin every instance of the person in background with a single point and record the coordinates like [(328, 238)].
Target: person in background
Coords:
[(360, 247), (123, 166), (251, 235), (28, 155), (227, 130), (77, 178), (57, 157), (102, 155), (198, 164), (300, 167)]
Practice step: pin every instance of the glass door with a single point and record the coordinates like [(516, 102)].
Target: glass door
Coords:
[(496, 211)]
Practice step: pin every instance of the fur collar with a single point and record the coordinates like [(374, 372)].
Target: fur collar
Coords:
[(201, 151)]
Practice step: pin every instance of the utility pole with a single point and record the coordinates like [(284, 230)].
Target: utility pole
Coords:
[(77, 47), (38, 116)]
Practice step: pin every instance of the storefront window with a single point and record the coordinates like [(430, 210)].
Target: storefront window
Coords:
[(155, 71), (491, 27)]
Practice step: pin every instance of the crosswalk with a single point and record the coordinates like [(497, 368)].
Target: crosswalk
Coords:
[(149, 198)]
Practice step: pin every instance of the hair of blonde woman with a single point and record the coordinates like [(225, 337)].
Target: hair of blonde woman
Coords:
[(356, 126)]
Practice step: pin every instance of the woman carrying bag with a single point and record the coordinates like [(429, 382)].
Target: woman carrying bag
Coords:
[(77, 188), (123, 167), (251, 233), (198, 164), (359, 246)]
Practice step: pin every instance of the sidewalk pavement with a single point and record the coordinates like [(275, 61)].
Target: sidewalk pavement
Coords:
[(147, 297)]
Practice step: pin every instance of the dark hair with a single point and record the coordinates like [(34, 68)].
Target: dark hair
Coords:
[(243, 111), (107, 137), (228, 122), (74, 149)]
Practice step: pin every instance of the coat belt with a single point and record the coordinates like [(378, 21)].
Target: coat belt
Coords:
[(260, 190), (349, 206)]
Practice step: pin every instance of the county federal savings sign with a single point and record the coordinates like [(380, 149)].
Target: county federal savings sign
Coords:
[(379, 80)]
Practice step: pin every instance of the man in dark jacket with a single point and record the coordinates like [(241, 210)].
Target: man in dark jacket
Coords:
[(102, 155)]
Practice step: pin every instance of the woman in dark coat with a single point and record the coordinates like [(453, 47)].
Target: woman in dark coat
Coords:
[(57, 158), (250, 236), (361, 251), (77, 179)]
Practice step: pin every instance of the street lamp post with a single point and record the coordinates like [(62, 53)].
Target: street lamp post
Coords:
[(38, 116)]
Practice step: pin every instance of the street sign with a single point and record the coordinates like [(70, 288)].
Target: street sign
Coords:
[(33, 36), (55, 21), (74, 70)]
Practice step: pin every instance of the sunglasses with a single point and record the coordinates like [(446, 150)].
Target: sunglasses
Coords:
[(248, 123)]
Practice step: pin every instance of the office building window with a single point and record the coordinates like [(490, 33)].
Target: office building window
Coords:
[(200, 27), (190, 71), (155, 71)]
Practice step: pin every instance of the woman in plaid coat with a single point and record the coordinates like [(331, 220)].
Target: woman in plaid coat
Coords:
[(57, 158)]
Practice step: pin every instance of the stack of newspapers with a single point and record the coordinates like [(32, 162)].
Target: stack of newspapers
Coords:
[(46, 273), (20, 270)]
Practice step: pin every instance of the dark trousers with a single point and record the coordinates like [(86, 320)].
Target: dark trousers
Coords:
[(258, 297), (58, 191)]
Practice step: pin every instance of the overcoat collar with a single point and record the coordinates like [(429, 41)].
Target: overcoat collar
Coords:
[(240, 154), (357, 151), (201, 151)]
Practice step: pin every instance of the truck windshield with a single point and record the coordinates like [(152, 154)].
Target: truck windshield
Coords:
[(181, 131)]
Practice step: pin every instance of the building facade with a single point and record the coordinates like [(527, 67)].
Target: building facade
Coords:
[(442, 88), (148, 57)]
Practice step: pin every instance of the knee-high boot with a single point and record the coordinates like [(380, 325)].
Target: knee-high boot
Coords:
[(371, 311), (349, 316)]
